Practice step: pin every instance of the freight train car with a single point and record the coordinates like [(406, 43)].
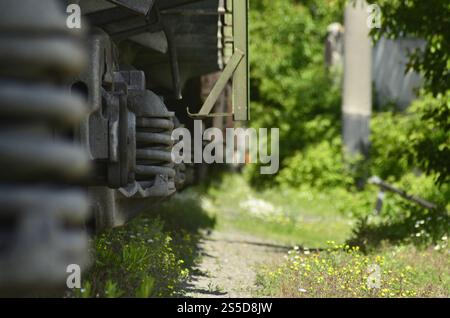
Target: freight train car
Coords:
[(90, 92)]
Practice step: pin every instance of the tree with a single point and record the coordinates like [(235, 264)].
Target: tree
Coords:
[(290, 87), (428, 20)]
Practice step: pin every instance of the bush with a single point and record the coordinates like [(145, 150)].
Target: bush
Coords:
[(430, 140), (402, 221), (415, 139), (419, 19), (290, 87), (391, 154), (320, 166)]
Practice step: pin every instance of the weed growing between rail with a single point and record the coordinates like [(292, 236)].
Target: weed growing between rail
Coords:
[(149, 257)]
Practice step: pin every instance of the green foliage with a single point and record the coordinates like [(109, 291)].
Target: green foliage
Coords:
[(150, 256), (431, 141), (290, 80), (319, 165), (142, 262), (290, 87), (428, 20), (418, 138), (390, 151), (111, 290), (146, 288), (402, 143), (398, 141), (402, 221)]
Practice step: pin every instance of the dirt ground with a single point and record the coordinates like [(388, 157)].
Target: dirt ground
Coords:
[(228, 264)]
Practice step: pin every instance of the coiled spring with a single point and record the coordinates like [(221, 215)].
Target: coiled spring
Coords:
[(41, 216), (154, 146)]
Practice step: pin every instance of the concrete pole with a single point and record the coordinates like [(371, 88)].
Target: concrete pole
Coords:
[(357, 86)]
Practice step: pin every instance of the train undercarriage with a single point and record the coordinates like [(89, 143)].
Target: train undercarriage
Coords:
[(87, 117)]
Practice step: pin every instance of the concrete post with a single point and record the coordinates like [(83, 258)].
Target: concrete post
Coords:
[(357, 86)]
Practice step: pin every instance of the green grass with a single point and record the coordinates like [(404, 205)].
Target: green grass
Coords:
[(310, 218), (151, 256), (340, 272), (284, 216)]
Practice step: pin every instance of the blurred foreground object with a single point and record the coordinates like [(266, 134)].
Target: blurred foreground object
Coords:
[(42, 215)]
